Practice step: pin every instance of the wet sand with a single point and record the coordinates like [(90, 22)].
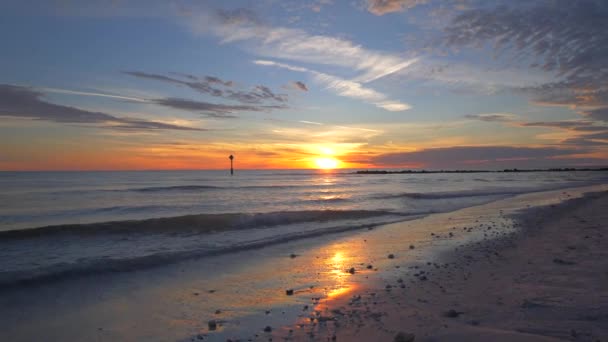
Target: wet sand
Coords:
[(547, 281), (487, 272)]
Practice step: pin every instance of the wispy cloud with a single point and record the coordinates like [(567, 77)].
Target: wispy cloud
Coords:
[(487, 157), (599, 114), (85, 93), (299, 85), (466, 77), (584, 125), (492, 117), (567, 39), (346, 88), (298, 45), (23, 102), (213, 110), (310, 122), (381, 7), (207, 86)]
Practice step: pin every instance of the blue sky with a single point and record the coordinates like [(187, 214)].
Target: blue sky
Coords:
[(368, 83)]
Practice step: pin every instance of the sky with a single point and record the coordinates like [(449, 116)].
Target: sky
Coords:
[(452, 84)]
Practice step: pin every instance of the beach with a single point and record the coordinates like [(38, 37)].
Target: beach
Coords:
[(546, 282), (525, 266)]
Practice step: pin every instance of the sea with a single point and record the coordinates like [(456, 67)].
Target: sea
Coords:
[(61, 224)]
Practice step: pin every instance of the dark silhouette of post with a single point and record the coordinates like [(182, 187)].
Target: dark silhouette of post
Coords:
[(231, 168)]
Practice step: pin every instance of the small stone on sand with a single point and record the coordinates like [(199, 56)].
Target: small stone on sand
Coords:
[(452, 313), (404, 337)]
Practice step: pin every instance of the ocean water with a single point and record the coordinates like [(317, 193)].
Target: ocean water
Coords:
[(58, 224)]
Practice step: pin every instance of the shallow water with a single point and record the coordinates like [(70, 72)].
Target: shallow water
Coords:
[(92, 212), (34, 199)]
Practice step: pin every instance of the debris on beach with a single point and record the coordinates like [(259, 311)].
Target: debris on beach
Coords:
[(563, 262), (452, 313), (289, 292), (351, 270), (267, 329), (412, 246), (293, 255), (391, 256), (404, 337), (212, 324)]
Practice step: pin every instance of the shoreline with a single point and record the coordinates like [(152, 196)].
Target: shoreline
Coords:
[(245, 291), (510, 287), (390, 172)]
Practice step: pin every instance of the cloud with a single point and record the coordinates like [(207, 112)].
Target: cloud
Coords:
[(474, 78), (381, 7), (482, 157), (311, 123), (599, 136), (213, 110), (568, 39), (356, 90), (564, 124), (23, 102), (582, 141), (206, 86), (297, 45), (492, 117), (212, 79), (346, 88), (300, 85), (85, 93), (582, 132), (599, 114)]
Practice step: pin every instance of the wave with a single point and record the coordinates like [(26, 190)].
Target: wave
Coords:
[(88, 211), (202, 223), (208, 187), (173, 188), (96, 265), (480, 193), (453, 194)]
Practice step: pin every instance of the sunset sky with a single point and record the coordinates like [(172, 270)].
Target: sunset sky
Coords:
[(457, 84)]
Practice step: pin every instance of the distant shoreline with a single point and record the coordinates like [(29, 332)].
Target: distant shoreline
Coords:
[(385, 172)]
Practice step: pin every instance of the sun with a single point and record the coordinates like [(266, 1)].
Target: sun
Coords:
[(327, 163)]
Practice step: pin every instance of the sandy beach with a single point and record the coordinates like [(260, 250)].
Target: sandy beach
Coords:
[(545, 282), (529, 267)]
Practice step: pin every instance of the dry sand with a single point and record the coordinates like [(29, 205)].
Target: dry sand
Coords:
[(548, 281)]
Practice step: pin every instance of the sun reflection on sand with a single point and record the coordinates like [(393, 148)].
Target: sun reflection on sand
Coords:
[(338, 266)]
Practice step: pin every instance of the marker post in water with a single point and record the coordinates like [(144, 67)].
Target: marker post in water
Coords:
[(231, 168)]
